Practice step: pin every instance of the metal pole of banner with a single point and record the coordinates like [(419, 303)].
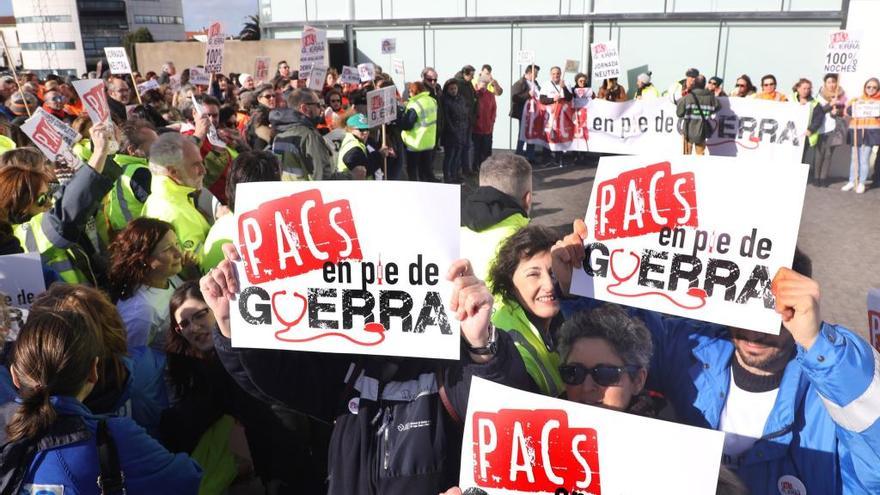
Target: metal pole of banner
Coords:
[(384, 157), (14, 73)]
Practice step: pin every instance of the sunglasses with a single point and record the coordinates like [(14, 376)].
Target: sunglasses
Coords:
[(58, 98), (44, 199), (197, 317), (267, 96), (431, 80), (604, 375)]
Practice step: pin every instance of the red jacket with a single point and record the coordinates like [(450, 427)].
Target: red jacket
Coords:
[(486, 110)]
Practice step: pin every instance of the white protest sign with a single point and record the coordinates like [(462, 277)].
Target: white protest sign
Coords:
[(350, 75), (606, 61), (874, 317), (174, 82), (699, 237), (21, 280), (572, 66), (525, 57), (213, 137), (261, 69), (519, 442), (865, 109), (317, 76), (199, 76), (117, 59), (320, 273), (214, 49), (398, 69), (53, 137), (147, 86), (744, 127), (842, 52), (92, 94), (367, 72), (313, 50), (381, 106), (389, 46)]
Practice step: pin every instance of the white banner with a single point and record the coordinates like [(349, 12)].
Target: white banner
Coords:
[(117, 59), (874, 317), (313, 50), (693, 236), (519, 442), (606, 61), (842, 52), (325, 269), (199, 76), (381, 106), (53, 137), (349, 75), (214, 49), (743, 127)]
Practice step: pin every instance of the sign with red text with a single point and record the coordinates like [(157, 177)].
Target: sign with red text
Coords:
[(874, 317), (699, 237), (261, 69), (313, 50), (606, 61), (381, 106), (349, 75), (53, 137), (842, 52), (214, 49), (117, 59), (325, 269), (92, 94), (519, 442)]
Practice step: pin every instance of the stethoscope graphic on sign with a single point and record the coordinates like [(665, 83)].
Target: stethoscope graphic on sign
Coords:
[(693, 292), (372, 328)]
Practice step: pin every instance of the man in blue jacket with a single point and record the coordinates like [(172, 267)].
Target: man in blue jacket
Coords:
[(800, 409)]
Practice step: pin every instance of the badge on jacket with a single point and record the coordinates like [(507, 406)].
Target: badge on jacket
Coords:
[(789, 485)]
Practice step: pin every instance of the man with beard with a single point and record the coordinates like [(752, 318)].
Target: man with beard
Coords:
[(799, 409)]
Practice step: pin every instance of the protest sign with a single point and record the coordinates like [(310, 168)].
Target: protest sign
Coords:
[(94, 98), (53, 137), (874, 317), (367, 72), (694, 236), (199, 76), (519, 442), (316, 78), (381, 106), (389, 46), (350, 75), (313, 51), (213, 136), (117, 59), (525, 57), (320, 272), (865, 109), (743, 127), (606, 61), (398, 69), (842, 52), (261, 69), (147, 85), (572, 66), (174, 82), (21, 280), (214, 49)]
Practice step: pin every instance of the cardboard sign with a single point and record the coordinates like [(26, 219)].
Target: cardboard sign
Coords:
[(317, 76), (21, 280), (519, 442), (606, 61), (313, 50), (389, 46), (744, 127), (261, 69), (572, 66), (874, 317), (199, 76), (525, 57), (117, 59), (350, 75), (693, 236), (842, 52), (398, 69), (214, 49), (147, 86), (381, 106), (53, 137), (320, 273), (213, 136), (94, 98), (864, 110), (367, 72)]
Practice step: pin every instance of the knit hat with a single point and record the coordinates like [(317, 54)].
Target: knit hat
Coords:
[(243, 77), (644, 78), (357, 121), (17, 106)]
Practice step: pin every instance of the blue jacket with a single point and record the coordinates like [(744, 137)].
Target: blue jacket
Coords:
[(147, 466)]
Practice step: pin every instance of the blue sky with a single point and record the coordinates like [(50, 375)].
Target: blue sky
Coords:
[(199, 13)]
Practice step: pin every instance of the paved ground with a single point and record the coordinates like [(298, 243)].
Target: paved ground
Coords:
[(839, 231)]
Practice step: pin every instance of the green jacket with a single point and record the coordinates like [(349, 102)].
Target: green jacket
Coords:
[(171, 202), (481, 247), (541, 363)]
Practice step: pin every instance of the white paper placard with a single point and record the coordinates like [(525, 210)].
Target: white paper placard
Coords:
[(261, 69), (606, 61), (381, 106), (53, 137), (349, 75), (21, 280), (842, 52), (525, 57), (389, 46), (313, 50), (214, 49), (117, 59), (317, 76), (367, 72), (199, 76), (865, 110), (147, 85)]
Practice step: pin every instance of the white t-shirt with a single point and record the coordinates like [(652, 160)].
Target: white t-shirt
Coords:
[(552, 90), (146, 315), (742, 420)]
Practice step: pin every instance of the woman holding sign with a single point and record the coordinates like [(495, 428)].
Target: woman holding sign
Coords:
[(864, 133)]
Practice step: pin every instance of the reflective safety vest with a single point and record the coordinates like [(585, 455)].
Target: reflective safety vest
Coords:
[(121, 205), (481, 248), (171, 202), (648, 93), (32, 238), (83, 149), (541, 363), (423, 135), (349, 142), (6, 144)]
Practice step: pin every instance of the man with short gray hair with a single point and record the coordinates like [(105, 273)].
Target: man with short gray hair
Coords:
[(496, 210), (178, 171)]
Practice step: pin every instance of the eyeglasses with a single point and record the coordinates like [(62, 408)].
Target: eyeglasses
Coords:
[(197, 317), (604, 375), (44, 199)]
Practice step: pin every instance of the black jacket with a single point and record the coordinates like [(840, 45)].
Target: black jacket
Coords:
[(519, 95), (117, 110), (393, 435), (487, 206), (457, 111)]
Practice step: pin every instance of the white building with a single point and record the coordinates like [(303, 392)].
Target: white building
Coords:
[(66, 36), (719, 37)]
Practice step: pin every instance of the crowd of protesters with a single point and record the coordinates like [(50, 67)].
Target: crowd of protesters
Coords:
[(124, 376)]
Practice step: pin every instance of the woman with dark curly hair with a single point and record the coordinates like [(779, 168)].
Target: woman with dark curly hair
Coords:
[(522, 279), (145, 259)]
